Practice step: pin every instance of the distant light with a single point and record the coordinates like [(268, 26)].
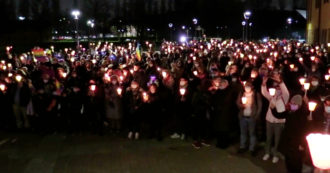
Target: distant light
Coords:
[(75, 14), (243, 23), (170, 25), (90, 23), (195, 21), (148, 29), (250, 24), (289, 20), (21, 18), (183, 39), (183, 27), (247, 14), (265, 40)]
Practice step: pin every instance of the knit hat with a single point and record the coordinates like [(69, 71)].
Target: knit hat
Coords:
[(297, 100)]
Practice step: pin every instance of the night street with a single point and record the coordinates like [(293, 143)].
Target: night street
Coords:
[(92, 153)]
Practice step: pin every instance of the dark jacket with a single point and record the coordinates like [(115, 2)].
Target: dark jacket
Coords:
[(295, 129), (256, 105)]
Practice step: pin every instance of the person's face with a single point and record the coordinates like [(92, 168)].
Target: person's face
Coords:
[(152, 89), (134, 85)]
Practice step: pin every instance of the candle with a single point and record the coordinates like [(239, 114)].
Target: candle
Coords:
[(18, 78), (121, 78), (195, 73), (10, 74), (119, 91), (244, 100), (327, 76), (301, 59), (182, 91), (145, 96), (307, 86), (94, 61), (311, 106), (2, 87), (64, 74), (92, 88), (164, 74), (272, 91), (302, 81), (131, 71), (72, 59), (292, 66), (313, 58)]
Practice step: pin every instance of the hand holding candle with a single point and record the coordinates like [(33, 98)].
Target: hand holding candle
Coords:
[(244, 100), (182, 91), (119, 91)]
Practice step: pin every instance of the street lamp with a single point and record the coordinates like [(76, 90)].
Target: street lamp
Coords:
[(289, 22), (247, 15), (91, 25), (170, 25), (76, 14), (243, 30)]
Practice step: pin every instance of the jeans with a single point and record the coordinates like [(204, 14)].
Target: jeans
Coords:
[(21, 116), (248, 126), (273, 129)]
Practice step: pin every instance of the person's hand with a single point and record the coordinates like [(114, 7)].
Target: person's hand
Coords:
[(277, 78), (264, 80)]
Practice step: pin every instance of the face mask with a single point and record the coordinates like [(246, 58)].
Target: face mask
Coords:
[(248, 89), (315, 83), (294, 107), (327, 109), (182, 83), (114, 82)]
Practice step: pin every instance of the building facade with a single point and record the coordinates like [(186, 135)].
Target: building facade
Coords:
[(318, 21)]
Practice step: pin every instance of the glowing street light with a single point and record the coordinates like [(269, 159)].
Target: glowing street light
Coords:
[(75, 14), (90, 23), (195, 21), (289, 20), (21, 18), (183, 39), (247, 14)]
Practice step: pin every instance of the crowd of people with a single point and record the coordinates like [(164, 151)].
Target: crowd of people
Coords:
[(205, 89)]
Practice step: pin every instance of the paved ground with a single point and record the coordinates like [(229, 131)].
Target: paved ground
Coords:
[(31, 153)]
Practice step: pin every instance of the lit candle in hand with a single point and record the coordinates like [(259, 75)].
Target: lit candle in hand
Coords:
[(272, 91)]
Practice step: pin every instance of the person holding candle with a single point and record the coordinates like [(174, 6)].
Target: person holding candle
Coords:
[(250, 104), (20, 95), (182, 109), (113, 104), (133, 102), (292, 141), (274, 126)]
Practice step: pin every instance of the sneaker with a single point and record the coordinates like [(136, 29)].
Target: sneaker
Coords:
[(183, 136), (205, 144), (137, 135), (266, 157), (175, 136), (197, 145), (130, 135), (275, 159)]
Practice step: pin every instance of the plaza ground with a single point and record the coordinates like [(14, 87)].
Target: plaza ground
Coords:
[(32, 153)]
